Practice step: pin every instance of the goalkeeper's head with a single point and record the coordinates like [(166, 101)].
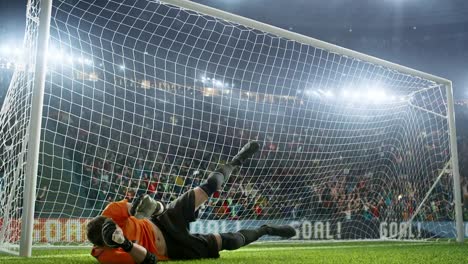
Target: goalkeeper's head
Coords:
[(94, 231)]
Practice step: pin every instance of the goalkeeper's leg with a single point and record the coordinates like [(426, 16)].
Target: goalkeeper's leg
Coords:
[(232, 241), (145, 206), (220, 175)]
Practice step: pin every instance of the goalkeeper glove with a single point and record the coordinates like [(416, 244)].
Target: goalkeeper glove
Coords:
[(113, 236), (145, 206)]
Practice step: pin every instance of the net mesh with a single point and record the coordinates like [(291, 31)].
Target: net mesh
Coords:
[(147, 97)]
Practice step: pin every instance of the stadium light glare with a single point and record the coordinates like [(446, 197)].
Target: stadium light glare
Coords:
[(328, 93), (55, 56), (379, 96), (5, 49), (376, 95), (369, 94), (17, 51), (309, 92), (355, 95)]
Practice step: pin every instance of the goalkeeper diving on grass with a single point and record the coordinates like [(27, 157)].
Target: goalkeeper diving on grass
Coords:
[(145, 232)]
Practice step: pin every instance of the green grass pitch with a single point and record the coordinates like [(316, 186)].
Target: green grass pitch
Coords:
[(363, 252)]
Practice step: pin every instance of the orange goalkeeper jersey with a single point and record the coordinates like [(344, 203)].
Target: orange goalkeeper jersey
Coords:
[(139, 230)]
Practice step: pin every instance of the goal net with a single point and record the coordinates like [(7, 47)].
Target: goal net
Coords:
[(149, 97)]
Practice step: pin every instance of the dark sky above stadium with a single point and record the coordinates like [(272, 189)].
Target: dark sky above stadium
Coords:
[(341, 22)]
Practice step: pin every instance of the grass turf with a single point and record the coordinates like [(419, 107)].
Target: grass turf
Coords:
[(348, 253)]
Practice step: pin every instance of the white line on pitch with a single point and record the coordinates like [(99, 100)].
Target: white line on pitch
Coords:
[(333, 247), (250, 249), (48, 256)]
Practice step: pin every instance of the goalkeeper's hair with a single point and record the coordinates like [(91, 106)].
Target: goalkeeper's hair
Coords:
[(94, 231)]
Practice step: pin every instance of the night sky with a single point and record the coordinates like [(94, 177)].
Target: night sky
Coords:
[(339, 22)]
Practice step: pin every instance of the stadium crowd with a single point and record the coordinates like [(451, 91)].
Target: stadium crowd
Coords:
[(303, 170), (308, 167), (126, 138)]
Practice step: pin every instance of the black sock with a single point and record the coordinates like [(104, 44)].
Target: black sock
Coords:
[(226, 170), (232, 241), (213, 183), (252, 235), (216, 179), (235, 163)]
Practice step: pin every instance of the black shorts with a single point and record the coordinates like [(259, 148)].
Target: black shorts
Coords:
[(175, 224)]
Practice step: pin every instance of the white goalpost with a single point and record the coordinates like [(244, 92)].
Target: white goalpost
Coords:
[(33, 133), (135, 97)]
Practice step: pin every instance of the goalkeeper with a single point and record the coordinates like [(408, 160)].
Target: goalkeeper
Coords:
[(146, 232)]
